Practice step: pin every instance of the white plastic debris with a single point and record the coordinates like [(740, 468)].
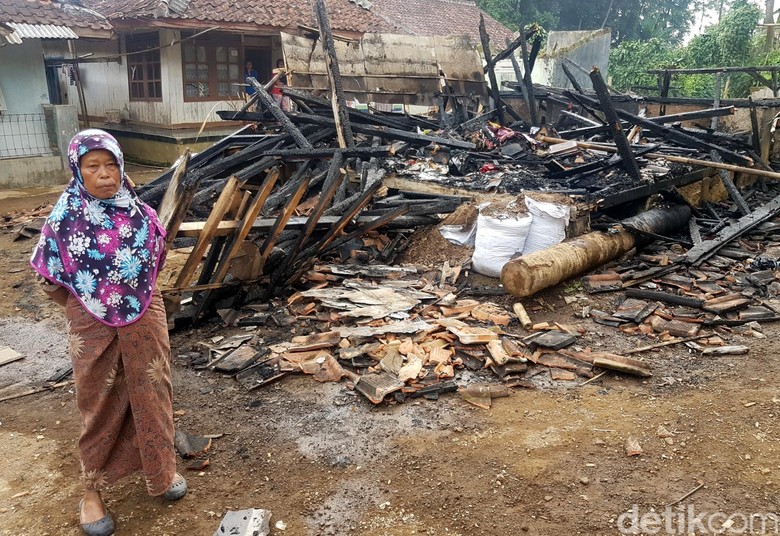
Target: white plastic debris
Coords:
[(251, 522)]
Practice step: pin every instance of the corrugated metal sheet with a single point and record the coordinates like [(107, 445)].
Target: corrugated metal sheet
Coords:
[(38, 31)]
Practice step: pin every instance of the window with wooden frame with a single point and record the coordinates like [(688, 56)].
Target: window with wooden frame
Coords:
[(211, 68), (143, 67)]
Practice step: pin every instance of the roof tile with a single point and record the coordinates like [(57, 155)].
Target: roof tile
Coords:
[(62, 13), (284, 14)]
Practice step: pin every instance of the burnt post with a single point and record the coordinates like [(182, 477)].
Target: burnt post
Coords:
[(616, 128), (343, 126), (494, 89), (529, 85)]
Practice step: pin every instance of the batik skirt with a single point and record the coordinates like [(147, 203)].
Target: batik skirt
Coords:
[(123, 392)]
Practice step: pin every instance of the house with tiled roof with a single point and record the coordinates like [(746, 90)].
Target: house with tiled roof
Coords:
[(174, 63), (34, 38), (441, 17)]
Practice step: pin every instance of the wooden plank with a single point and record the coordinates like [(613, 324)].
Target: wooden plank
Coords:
[(329, 190), (312, 252), (209, 229), (245, 225), (9, 355), (281, 221), (178, 196), (622, 364)]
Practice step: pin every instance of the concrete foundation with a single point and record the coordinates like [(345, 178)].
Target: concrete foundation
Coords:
[(30, 171), (162, 147)]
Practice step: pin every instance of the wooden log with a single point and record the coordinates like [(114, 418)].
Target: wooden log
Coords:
[(522, 315), (339, 104), (526, 275)]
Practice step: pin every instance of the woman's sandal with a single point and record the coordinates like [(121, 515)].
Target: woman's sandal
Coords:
[(102, 527), (177, 490)]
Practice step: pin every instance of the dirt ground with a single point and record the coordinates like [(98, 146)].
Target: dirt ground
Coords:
[(323, 460)]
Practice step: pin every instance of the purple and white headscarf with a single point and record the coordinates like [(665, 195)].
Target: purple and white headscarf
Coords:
[(106, 252)]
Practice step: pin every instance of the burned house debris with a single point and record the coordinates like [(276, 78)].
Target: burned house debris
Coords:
[(294, 222)]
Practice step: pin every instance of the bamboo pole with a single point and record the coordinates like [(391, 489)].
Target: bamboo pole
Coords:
[(671, 158)]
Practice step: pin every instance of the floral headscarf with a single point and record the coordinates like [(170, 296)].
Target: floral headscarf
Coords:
[(106, 252)]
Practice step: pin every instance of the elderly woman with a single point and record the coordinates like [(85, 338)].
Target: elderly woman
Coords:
[(98, 256)]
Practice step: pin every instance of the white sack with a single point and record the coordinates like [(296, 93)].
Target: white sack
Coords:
[(548, 227), (498, 241)]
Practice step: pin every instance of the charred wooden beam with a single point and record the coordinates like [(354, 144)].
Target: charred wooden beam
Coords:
[(701, 252), (616, 129), (732, 189), (672, 134), (325, 152), (327, 194), (573, 79), (177, 199), (313, 251), (528, 98), (528, 82), (494, 89), (386, 132), (340, 117), (531, 273), (281, 221), (355, 115), (279, 114), (665, 297), (153, 191), (508, 51), (755, 137), (582, 120), (694, 231)]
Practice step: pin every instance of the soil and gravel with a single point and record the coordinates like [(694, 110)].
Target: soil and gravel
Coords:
[(323, 460)]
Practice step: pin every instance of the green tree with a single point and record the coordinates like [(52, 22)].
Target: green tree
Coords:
[(732, 41), (628, 19), (629, 62)]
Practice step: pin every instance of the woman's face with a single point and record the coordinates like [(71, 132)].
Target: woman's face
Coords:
[(100, 173)]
